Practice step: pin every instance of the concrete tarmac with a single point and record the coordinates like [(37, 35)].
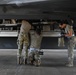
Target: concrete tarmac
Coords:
[(53, 63)]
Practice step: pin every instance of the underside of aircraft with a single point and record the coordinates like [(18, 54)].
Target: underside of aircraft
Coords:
[(37, 9)]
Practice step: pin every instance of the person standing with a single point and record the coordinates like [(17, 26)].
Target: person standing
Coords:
[(23, 42), (69, 33)]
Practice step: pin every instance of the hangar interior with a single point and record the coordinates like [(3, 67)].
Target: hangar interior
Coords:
[(46, 15)]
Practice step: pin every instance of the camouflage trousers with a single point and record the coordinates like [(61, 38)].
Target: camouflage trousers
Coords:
[(23, 43), (71, 46), (61, 42)]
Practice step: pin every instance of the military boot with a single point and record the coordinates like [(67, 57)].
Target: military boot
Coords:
[(25, 61), (37, 62), (19, 60), (70, 63), (31, 59)]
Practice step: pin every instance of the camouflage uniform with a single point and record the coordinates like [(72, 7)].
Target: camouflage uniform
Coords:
[(61, 38), (35, 46), (71, 45), (23, 41), (61, 42)]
